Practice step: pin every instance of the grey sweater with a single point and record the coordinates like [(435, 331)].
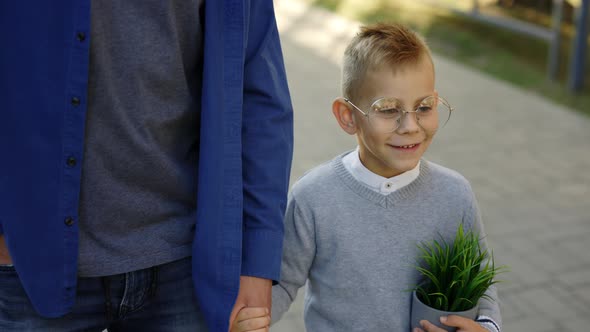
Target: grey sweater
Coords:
[(357, 248), (139, 176)]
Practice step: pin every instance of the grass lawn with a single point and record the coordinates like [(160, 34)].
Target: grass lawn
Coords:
[(519, 59)]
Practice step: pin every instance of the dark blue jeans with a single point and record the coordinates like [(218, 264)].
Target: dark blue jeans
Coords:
[(158, 299)]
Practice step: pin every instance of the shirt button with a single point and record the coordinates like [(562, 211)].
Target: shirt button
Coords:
[(388, 185), (69, 221), (81, 36), (71, 161), (75, 101)]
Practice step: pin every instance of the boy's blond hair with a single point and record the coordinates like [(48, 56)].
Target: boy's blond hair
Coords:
[(376, 45)]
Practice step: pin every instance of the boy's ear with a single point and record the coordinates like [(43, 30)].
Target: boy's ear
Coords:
[(344, 115)]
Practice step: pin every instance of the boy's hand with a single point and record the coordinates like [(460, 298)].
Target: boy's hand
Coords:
[(461, 323), (255, 319)]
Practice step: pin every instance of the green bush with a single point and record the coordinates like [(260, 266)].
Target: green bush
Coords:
[(456, 274)]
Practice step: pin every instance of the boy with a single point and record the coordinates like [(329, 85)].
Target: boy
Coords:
[(352, 224)]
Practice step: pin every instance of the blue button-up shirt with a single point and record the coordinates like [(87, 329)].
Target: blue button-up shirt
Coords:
[(245, 153)]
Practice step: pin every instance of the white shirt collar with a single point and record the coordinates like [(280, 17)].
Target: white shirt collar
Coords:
[(385, 186)]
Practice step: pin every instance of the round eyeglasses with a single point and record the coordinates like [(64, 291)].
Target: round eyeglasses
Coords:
[(386, 114)]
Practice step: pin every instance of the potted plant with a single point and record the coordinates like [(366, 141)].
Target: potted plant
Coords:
[(455, 276)]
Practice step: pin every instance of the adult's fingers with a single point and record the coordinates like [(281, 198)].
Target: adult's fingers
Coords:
[(253, 324), (251, 312)]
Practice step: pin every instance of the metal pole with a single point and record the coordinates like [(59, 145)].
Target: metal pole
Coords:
[(576, 82), (555, 42), (475, 8)]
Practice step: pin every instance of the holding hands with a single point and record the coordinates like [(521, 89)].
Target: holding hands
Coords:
[(251, 311), (462, 324), (255, 319)]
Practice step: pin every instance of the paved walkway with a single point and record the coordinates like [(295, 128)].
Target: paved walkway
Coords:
[(527, 158)]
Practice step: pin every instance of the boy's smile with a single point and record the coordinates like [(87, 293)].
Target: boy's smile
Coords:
[(409, 147), (390, 154)]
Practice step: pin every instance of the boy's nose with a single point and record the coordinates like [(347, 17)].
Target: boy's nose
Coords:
[(408, 123)]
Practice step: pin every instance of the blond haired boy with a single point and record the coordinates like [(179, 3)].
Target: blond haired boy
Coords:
[(352, 224)]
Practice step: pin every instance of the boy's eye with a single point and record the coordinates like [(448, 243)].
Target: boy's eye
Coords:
[(424, 109), (387, 111)]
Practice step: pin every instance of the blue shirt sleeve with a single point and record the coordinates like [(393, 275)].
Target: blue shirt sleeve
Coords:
[(267, 138)]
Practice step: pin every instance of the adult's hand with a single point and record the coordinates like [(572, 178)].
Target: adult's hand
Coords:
[(254, 292), (4, 256), (252, 319)]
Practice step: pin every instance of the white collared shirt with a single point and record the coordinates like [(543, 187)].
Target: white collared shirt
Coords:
[(385, 186)]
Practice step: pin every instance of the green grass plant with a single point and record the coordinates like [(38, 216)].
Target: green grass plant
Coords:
[(456, 274)]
